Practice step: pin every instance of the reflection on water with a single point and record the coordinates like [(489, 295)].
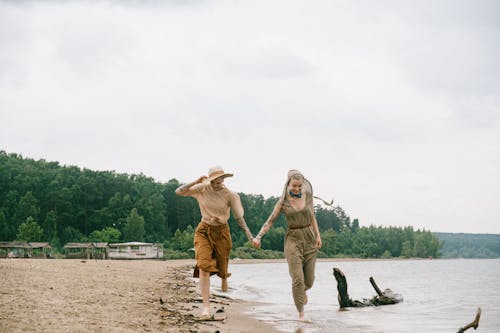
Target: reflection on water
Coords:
[(439, 295)]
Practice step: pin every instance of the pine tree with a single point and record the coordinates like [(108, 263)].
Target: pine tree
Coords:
[(134, 227)]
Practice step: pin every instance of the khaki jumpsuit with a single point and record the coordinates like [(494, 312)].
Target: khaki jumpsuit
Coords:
[(300, 249)]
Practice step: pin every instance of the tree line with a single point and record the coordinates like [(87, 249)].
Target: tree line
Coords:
[(44, 201), (459, 245)]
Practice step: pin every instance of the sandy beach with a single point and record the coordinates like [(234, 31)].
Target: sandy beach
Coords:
[(72, 295)]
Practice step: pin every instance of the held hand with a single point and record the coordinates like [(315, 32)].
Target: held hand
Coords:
[(256, 243)]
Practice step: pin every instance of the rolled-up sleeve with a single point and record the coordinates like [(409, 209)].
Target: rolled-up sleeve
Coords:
[(236, 206), (195, 190)]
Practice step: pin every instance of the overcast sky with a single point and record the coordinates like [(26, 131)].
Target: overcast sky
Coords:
[(392, 108)]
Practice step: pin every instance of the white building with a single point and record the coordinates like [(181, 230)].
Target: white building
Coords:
[(135, 250)]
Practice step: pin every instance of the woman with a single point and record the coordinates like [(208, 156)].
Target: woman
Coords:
[(302, 240), (212, 238)]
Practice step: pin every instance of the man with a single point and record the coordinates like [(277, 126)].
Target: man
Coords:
[(212, 238)]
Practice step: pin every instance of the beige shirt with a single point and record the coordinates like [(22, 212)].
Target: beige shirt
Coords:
[(215, 205)]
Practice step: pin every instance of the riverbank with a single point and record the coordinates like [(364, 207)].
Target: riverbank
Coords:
[(64, 295)]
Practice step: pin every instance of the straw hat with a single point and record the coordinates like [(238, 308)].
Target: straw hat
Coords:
[(217, 172)]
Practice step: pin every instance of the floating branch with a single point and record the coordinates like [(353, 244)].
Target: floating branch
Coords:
[(374, 285), (344, 300), (474, 323), (383, 298)]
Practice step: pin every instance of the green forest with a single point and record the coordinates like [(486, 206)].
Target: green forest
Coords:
[(42, 201), (469, 245)]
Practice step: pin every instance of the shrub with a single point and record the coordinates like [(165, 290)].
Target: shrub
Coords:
[(175, 254)]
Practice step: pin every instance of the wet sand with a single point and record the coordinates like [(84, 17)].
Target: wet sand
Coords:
[(72, 295)]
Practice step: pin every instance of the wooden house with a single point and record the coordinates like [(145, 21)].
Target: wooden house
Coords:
[(78, 250), (26, 250), (40, 250), (16, 249), (100, 250)]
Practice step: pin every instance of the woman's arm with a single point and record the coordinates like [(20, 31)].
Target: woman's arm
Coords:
[(268, 224), (243, 225), (184, 190), (238, 211), (316, 231)]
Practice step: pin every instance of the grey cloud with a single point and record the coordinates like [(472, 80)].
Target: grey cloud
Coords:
[(381, 98), (479, 113), (83, 49), (455, 13), (15, 37), (269, 62)]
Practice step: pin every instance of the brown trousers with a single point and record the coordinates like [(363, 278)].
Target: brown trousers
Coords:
[(212, 245), (300, 253)]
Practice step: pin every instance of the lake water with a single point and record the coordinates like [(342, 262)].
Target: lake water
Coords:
[(439, 295)]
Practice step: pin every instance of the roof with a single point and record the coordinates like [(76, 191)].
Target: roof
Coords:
[(22, 245), (38, 245), (130, 243), (100, 244), (78, 245)]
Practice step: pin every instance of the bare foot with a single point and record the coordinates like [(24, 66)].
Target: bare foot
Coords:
[(301, 316), (206, 312), (224, 285)]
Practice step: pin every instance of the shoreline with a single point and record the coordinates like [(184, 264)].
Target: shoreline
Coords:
[(76, 295), (283, 260)]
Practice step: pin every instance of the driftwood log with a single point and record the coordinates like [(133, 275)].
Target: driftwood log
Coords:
[(382, 298), (474, 323)]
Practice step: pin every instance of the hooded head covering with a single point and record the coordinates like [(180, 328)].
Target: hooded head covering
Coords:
[(306, 186)]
